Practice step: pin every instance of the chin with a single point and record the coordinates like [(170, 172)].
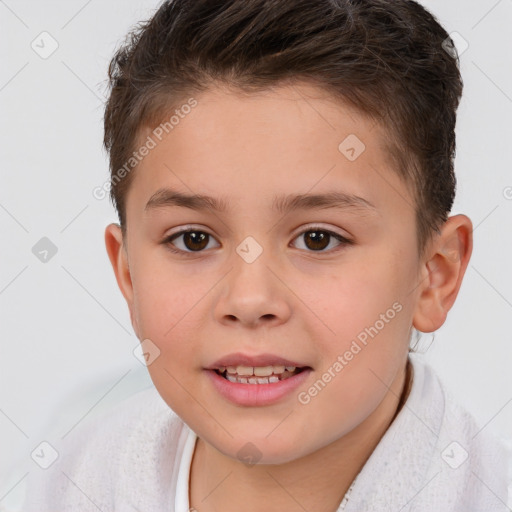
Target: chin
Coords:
[(260, 451)]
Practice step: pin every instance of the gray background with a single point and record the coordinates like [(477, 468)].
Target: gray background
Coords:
[(67, 343)]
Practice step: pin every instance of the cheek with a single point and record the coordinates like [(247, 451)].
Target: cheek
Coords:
[(355, 299), (369, 319), (168, 318), (163, 298), (345, 402)]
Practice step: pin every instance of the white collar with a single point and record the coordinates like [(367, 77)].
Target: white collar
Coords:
[(181, 502)]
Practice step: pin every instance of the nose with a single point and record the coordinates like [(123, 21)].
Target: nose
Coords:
[(252, 295)]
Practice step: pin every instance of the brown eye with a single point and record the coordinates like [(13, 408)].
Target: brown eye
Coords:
[(318, 240), (195, 240), (192, 241)]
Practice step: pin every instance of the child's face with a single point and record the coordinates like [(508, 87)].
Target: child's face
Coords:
[(304, 299)]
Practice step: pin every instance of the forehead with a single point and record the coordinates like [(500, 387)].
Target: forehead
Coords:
[(258, 147)]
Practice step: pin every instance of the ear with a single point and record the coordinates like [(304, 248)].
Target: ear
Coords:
[(118, 255), (441, 275)]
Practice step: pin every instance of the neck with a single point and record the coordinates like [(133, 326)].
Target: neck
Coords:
[(317, 481)]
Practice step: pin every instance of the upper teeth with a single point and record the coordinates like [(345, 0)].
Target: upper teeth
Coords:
[(259, 371)]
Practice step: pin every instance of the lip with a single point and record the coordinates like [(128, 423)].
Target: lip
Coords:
[(239, 359), (254, 395)]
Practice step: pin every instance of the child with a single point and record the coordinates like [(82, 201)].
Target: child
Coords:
[(283, 175)]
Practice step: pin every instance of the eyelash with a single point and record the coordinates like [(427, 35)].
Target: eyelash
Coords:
[(341, 239)]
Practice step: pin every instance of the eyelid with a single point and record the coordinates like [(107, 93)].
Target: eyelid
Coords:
[(318, 225), (169, 238), (185, 228), (306, 227)]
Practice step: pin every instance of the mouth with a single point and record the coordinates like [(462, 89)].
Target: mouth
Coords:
[(258, 375), (250, 380)]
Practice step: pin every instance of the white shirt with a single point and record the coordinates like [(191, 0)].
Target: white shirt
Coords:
[(137, 457)]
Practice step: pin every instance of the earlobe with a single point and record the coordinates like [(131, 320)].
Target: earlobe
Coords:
[(443, 272)]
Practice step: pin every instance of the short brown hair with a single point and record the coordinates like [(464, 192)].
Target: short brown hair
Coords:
[(385, 57)]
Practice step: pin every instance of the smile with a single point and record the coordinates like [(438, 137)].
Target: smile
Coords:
[(258, 374)]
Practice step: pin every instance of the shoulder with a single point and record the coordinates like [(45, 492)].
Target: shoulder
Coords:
[(465, 448), (455, 418), (106, 454)]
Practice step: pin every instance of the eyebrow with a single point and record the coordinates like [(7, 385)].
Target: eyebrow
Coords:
[(166, 197)]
